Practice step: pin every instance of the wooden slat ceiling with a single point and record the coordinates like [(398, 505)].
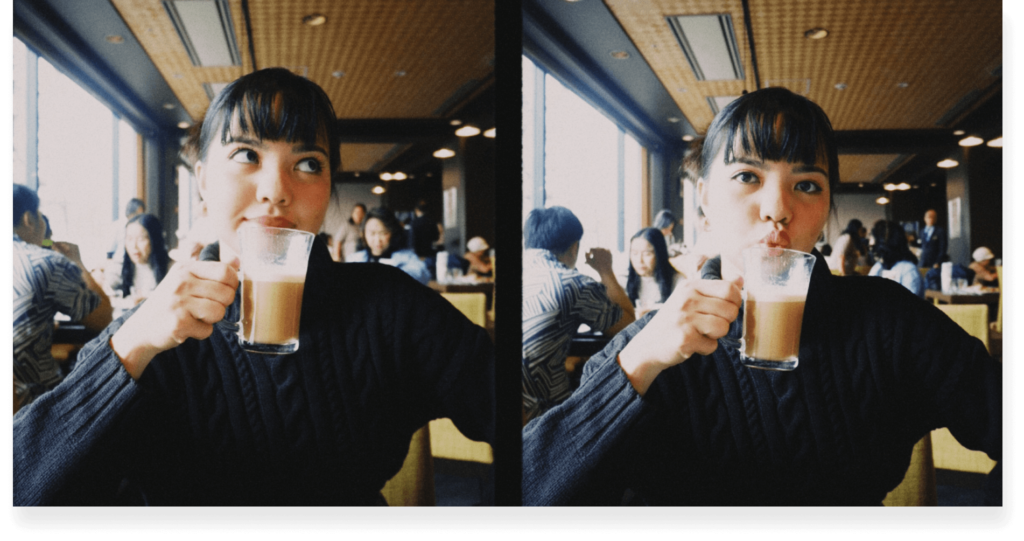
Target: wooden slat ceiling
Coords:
[(395, 59), (942, 50)]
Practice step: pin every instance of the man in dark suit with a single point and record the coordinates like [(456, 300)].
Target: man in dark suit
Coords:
[(933, 242)]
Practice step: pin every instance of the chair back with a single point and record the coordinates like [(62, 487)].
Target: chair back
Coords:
[(999, 315), (473, 305), (973, 318), (918, 485), (447, 442), (413, 485)]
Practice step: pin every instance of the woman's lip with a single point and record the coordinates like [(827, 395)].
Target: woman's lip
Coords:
[(274, 221), (776, 239)]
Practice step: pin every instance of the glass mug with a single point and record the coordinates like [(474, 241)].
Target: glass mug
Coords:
[(273, 277), (775, 282)]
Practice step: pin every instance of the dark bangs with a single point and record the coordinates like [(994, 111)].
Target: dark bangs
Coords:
[(773, 124), (305, 116)]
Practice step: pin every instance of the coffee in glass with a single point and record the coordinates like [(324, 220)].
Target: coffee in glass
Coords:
[(775, 282)]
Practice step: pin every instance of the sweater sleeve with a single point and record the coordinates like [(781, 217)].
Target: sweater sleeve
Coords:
[(566, 451), (62, 429), (953, 375)]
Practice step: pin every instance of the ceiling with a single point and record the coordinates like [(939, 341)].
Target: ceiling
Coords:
[(916, 68), (400, 61)]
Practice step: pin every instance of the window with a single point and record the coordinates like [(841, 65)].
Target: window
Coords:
[(576, 157), (83, 162)]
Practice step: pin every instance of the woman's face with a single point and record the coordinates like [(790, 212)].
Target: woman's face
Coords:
[(378, 236), (751, 201), (136, 243), (273, 183), (357, 215), (641, 256)]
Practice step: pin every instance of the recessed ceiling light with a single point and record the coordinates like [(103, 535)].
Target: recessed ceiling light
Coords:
[(115, 39), (315, 19), (399, 176), (467, 131), (959, 132), (337, 74), (841, 86), (385, 176), (947, 164), (688, 138), (902, 85), (971, 141), (178, 75), (995, 143), (357, 174), (456, 122), (681, 89), (889, 187), (619, 55), (816, 33), (903, 186), (184, 125), (168, 106), (444, 153), (400, 73), (882, 200), (378, 190), (861, 185), (489, 133), (673, 119)]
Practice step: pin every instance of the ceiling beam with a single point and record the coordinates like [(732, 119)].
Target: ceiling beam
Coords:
[(894, 141), (393, 130)]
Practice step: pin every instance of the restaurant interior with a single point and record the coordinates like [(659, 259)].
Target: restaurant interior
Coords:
[(913, 90), (412, 84)]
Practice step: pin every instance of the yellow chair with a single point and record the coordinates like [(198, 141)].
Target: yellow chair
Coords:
[(924, 273), (413, 485), (973, 318), (948, 453), (918, 485), (473, 305), (445, 439), (837, 272)]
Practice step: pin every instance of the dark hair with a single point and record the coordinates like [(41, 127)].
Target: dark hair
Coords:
[(554, 229), (826, 250), (891, 245), (134, 205), (159, 261), (853, 227), (664, 219), (306, 114), (663, 270), (691, 168), (389, 220), (806, 131), (25, 200), (354, 207)]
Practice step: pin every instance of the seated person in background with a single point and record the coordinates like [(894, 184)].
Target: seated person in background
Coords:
[(46, 282), (383, 236), (984, 267), (557, 299), (133, 208), (145, 260), (847, 251), (665, 222), (349, 240), (651, 277), (479, 261), (895, 260)]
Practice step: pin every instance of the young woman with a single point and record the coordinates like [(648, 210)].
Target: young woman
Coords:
[(164, 407), (383, 234), (668, 411), (847, 252), (651, 277), (145, 258), (349, 239), (896, 261)]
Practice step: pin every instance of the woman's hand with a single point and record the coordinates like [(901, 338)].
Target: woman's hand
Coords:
[(191, 298), (692, 320)]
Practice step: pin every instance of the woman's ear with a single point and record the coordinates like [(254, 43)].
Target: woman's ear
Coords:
[(200, 173), (702, 194)]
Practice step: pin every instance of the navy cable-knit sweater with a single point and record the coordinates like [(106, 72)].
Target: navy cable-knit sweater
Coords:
[(879, 368), (208, 423)]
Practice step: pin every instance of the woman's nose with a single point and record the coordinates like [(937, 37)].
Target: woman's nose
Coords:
[(274, 185), (775, 202)]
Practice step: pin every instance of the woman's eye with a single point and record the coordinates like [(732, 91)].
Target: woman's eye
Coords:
[(245, 155), (310, 165), (745, 177), (808, 186)]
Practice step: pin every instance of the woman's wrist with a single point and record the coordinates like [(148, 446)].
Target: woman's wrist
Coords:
[(640, 368), (133, 354)]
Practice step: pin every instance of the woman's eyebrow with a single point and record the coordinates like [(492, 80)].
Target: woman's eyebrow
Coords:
[(243, 140), (305, 147), (809, 168)]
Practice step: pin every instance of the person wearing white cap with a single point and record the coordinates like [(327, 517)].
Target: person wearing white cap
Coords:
[(479, 262), (984, 267)]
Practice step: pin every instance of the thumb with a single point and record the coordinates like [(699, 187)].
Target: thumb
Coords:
[(235, 263)]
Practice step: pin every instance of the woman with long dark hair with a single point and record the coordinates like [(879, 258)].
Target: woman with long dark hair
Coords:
[(670, 415), (848, 248), (895, 260), (651, 277), (165, 408), (145, 260), (384, 237)]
